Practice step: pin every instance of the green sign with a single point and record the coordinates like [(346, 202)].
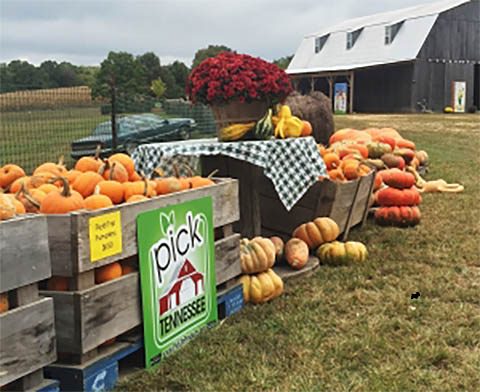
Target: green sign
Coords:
[(177, 271)]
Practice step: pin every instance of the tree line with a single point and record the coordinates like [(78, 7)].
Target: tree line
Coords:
[(131, 75)]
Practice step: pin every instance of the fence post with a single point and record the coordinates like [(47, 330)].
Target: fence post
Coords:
[(114, 115)]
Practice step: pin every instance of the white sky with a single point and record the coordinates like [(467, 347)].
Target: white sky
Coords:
[(84, 31)]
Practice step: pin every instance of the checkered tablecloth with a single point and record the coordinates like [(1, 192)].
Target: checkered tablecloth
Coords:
[(293, 165)]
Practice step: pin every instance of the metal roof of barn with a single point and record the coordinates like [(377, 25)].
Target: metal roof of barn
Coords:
[(370, 49)]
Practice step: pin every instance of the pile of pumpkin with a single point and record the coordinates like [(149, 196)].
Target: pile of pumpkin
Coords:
[(353, 153), (258, 256), (92, 184)]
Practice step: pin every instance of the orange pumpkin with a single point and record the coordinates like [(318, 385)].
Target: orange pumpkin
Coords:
[(108, 272), (47, 188), (112, 189), (17, 184), (56, 169), (350, 168), (317, 232), (296, 253), (332, 160), (336, 175), (143, 188), (19, 207), (114, 171), (86, 182), (9, 173), (136, 198), (135, 177), (85, 164), (307, 129), (32, 199), (125, 161), (7, 208), (72, 175), (63, 201), (97, 201)]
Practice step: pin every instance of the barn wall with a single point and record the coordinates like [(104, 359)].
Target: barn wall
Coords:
[(448, 54), (385, 88)]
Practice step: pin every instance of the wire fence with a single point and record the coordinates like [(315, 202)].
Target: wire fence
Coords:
[(40, 125)]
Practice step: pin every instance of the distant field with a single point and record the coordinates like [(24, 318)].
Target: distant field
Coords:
[(46, 98)]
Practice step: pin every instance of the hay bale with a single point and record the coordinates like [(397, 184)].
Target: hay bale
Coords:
[(316, 109)]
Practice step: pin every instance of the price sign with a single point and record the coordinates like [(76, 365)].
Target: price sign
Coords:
[(105, 236)]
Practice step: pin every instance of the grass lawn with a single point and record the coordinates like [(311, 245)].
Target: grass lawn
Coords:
[(355, 328)]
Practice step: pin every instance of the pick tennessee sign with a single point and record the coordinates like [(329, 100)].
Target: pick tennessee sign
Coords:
[(177, 270)]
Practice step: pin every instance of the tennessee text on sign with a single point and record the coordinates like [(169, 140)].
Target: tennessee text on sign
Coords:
[(177, 270), (105, 233)]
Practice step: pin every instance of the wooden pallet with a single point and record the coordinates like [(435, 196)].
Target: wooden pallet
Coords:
[(89, 314), (27, 332)]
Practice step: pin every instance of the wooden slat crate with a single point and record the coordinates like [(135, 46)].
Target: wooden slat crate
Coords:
[(27, 331), (262, 212), (89, 314)]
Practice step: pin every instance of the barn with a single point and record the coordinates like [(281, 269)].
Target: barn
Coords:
[(424, 57)]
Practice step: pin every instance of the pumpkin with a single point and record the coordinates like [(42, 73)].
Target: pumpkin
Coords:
[(128, 266), (332, 160), (57, 283), (404, 143), (97, 201), (143, 188), (86, 182), (19, 207), (16, 185), (47, 188), (7, 208), (317, 232), (405, 153), (4, 303), (114, 171), (391, 132), (31, 199), (386, 140), (199, 181), (41, 178), (262, 287), (9, 173), (392, 161), (113, 189), (125, 161), (62, 202), (350, 168), (377, 149), (296, 253), (56, 169), (363, 170), (85, 164), (307, 129), (279, 247), (397, 178), (108, 272), (135, 177), (397, 216), (336, 175), (422, 157), (378, 182), (256, 255), (136, 198), (341, 253), (72, 175), (389, 196)]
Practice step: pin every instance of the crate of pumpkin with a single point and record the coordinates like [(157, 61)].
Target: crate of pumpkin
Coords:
[(91, 215)]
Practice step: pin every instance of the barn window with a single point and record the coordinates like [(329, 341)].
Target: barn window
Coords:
[(320, 42), (352, 37), (391, 31)]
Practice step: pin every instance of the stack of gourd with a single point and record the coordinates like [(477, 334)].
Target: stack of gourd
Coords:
[(92, 184), (399, 200), (320, 236), (260, 282)]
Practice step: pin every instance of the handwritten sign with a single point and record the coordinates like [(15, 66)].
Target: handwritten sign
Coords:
[(105, 236)]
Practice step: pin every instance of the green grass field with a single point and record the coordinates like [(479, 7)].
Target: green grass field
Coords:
[(355, 328)]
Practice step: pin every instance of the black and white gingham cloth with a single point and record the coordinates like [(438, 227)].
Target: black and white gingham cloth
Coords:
[(293, 165)]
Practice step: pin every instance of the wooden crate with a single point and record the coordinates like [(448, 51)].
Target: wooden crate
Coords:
[(262, 212), (89, 314), (346, 203), (27, 331), (68, 234)]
